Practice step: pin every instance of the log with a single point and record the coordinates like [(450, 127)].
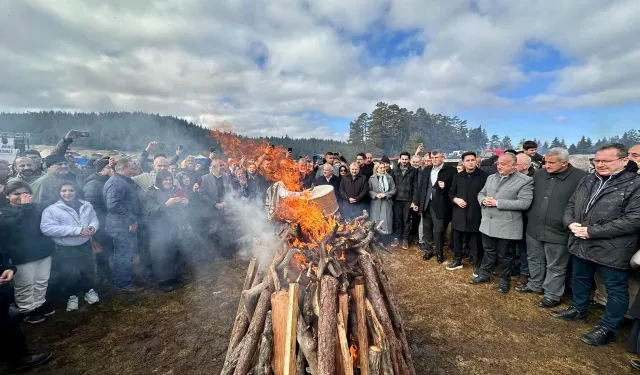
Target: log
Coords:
[(253, 333), (300, 370), (266, 347), (250, 271), (250, 298), (378, 303), (386, 366), (279, 307), (307, 303), (327, 326), (375, 354), (231, 362), (308, 346), (345, 357), (342, 362), (292, 323), (395, 315), (363, 339)]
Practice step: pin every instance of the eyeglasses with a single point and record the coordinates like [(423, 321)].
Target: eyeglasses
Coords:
[(606, 162)]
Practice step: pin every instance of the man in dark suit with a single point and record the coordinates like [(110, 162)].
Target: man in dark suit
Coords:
[(213, 190), (406, 179), (432, 201), (328, 178)]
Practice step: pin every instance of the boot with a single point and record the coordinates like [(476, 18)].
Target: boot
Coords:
[(598, 336)]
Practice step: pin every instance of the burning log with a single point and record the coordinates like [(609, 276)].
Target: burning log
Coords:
[(304, 294)]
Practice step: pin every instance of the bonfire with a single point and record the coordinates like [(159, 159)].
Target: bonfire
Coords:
[(322, 304)]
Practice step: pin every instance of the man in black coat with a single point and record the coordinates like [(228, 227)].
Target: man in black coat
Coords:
[(353, 189), (406, 180), (546, 235), (432, 201), (328, 178), (466, 214), (603, 215)]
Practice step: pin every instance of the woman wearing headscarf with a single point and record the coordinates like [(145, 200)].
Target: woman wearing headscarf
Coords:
[(381, 190), (70, 222), (167, 225)]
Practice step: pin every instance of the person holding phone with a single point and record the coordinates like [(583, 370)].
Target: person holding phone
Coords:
[(71, 223)]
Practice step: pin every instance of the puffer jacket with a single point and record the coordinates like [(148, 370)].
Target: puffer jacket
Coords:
[(612, 216), (123, 203), (63, 224), (21, 239)]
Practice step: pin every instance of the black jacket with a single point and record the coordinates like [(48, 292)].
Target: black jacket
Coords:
[(257, 187), (334, 181), (551, 193), (612, 216), (22, 239), (407, 185), (93, 187), (307, 179), (358, 189), (367, 170), (440, 197), (466, 186)]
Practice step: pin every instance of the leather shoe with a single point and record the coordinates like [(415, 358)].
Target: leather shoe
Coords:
[(571, 315), (598, 336), (546, 303), (479, 280), (427, 256), (422, 247), (526, 289), (440, 260), (523, 279), (30, 360), (504, 288), (635, 364)]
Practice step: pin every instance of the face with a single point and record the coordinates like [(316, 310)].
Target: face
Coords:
[(242, 178), (327, 171), (404, 160), (4, 169), (198, 167), (302, 166), (607, 162), (437, 160), (266, 165), (553, 164), (60, 169), (360, 160), (329, 159), (216, 167), (634, 153), (186, 180), (167, 182), (68, 193), (369, 159), (25, 166), (14, 197), (381, 169), (343, 171), (469, 162), (531, 151), (354, 170), (478, 161), (190, 163), (522, 166), (173, 168), (161, 164), (37, 160), (252, 169), (506, 164), (427, 162), (224, 167), (416, 162)]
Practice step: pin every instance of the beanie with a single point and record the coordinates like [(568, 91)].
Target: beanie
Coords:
[(54, 159), (100, 164)]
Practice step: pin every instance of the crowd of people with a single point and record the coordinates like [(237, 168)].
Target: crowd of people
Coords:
[(569, 228)]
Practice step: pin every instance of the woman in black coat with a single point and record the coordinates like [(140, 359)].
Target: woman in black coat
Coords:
[(353, 189), (167, 225)]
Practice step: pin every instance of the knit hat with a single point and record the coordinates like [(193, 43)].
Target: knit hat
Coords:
[(385, 160), (100, 164), (54, 159)]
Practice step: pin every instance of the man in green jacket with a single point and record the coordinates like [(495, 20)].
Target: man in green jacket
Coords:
[(46, 189), (547, 236)]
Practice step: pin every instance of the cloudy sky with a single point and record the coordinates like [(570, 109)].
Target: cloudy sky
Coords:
[(307, 67)]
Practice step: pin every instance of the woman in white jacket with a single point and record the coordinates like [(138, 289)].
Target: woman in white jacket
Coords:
[(70, 223)]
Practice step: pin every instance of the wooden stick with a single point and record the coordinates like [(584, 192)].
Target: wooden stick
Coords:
[(327, 326), (250, 270), (363, 339), (374, 359), (345, 358), (279, 307), (343, 311), (253, 333), (250, 298), (266, 347), (308, 345), (241, 323), (300, 370), (292, 323), (231, 362), (386, 366)]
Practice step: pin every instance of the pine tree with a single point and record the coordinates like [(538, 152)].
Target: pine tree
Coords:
[(494, 142), (563, 144), (505, 144), (555, 143), (357, 132), (411, 145), (573, 149)]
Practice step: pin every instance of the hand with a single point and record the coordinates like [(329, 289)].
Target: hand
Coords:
[(184, 201), (574, 226), (460, 202), (172, 202), (85, 232), (380, 196), (414, 207), (92, 230), (72, 134), (133, 228), (196, 187), (441, 184), (220, 206), (490, 202), (112, 161), (420, 149), (25, 198), (178, 151), (151, 145), (6, 276), (352, 200)]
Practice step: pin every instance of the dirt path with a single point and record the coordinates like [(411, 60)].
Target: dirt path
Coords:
[(454, 328)]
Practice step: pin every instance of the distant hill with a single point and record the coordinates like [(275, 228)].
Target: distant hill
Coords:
[(133, 131)]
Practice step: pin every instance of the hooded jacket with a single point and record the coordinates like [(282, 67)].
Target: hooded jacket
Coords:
[(63, 224)]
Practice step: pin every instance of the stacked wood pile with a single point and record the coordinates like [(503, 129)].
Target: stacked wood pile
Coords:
[(320, 309)]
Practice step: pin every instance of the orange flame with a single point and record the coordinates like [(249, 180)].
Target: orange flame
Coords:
[(300, 260), (353, 350), (308, 214)]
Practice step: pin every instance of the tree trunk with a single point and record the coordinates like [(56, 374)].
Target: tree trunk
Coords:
[(327, 326), (253, 333), (266, 347), (363, 338), (374, 360)]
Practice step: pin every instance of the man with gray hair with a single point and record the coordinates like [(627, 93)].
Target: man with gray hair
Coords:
[(504, 198), (546, 236)]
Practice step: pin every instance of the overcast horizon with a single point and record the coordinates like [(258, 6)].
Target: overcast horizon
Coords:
[(308, 68)]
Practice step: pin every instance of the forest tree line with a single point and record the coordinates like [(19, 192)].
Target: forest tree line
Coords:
[(387, 130)]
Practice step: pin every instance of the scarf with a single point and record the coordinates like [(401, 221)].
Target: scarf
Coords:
[(384, 182)]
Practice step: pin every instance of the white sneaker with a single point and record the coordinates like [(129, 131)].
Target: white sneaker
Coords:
[(91, 297), (72, 303)]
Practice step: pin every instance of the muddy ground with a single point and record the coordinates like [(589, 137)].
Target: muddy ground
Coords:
[(453, 327)]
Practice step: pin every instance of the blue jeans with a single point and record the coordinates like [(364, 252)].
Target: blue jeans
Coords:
[(616, 283), (124, 244)]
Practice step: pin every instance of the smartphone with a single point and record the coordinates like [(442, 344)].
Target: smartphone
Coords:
[(180, 147), (290, 150), (272, 145), (213, 149), (162, 145), (180, 194), (83, 134)]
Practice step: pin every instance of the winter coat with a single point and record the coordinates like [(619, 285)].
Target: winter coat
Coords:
[(550, 196), (165, 223), (367, 170), (209, 194), (466, 186), (21, 237), (46, 189), (334, 181), (382, 209), (514, 194), (307, 179), (356, 188), (123, 203), (612, 216), (257, 187), (93, 186), (407, 185), (63, 224), (439, 197)]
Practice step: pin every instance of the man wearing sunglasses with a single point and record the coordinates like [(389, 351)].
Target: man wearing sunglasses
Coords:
[(46, 189)]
